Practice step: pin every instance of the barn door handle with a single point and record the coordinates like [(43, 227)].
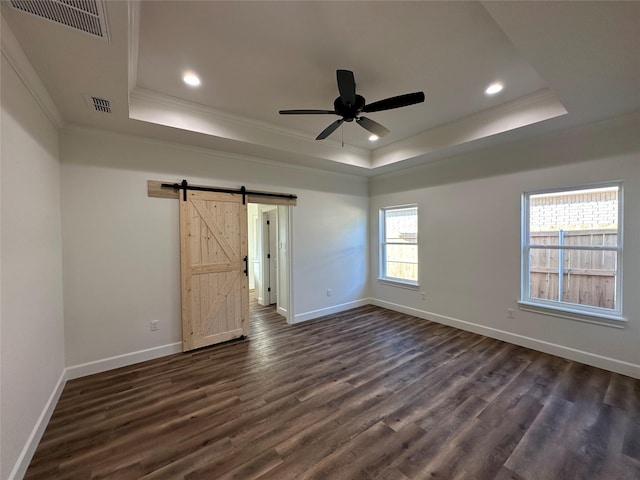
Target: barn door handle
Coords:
[(246, 266)]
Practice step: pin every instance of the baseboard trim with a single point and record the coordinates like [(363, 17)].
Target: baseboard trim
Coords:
[(321, 312), (105, 364), (77, 371), (22, 464), (606, 363)]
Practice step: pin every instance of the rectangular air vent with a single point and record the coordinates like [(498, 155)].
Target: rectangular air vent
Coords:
[(99, 104), (85, 15)]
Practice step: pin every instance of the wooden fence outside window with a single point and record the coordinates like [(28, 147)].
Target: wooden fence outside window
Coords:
[(589, 276)]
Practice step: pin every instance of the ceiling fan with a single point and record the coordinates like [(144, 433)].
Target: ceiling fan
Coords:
[(349, 106)]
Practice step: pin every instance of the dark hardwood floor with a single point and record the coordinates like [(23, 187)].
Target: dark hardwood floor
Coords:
[(366, 394)]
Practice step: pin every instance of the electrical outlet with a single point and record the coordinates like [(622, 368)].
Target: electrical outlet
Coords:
[(154, 325), (509, 312), (328, 292), (423, 295)]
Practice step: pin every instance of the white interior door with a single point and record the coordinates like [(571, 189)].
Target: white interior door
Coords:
[(270, 256)]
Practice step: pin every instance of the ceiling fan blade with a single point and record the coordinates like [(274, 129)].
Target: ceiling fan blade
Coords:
[(346, 86), (373, 127), (305, 112), (395, 102), (330, 129)]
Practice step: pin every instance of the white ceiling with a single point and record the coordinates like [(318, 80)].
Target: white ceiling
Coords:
[(562, 64)]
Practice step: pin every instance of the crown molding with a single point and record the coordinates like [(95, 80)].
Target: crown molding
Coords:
[(528, 110), (146, 95), (210, 152), (12, 51), (134, 43), (153, 107)]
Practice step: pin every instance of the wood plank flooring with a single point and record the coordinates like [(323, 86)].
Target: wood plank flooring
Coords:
[(366, 394)]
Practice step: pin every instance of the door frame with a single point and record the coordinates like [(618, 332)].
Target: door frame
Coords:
[(286, 312), (174, 190), (289, 268)]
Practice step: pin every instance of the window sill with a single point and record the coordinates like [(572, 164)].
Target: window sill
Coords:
[(399, 283), (569, 314)]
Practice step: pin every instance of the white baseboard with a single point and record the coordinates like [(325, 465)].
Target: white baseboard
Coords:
[(606, 363), (98, 366), (22, 464), (103, 365), (302, 317), (77, 371)]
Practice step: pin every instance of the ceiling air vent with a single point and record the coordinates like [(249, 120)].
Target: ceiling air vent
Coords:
[(99, 104), (85, 15)]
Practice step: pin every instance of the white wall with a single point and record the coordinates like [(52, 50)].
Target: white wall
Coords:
[(329, 238), (469, 235), (31, 318), (121, 248)]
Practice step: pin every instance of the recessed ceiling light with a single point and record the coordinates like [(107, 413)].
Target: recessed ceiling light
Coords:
[(494, 88), (373, 138), (191, 79)]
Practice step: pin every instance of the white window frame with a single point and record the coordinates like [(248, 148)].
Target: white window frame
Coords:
[(557, 308), (383, 278)]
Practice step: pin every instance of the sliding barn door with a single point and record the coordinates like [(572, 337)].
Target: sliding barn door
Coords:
[(213, 251)]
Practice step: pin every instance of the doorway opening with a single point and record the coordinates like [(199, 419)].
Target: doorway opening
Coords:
[(269, 235)]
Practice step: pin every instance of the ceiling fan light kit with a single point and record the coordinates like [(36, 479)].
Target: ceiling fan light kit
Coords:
[(349, 105)]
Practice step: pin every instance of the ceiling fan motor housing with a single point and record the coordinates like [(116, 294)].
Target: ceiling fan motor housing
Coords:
[(347, 111)]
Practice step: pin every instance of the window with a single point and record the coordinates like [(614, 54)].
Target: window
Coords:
[(399, 244), (572, 251)]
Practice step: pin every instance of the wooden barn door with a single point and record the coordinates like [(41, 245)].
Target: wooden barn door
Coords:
[(213, 251)]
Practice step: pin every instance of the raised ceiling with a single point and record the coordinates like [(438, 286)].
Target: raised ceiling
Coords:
[(562, 64)]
